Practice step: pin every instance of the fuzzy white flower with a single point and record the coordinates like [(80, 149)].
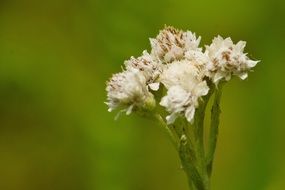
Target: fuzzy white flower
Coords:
[(227, 59), (198, 57), (185, 86), (148, 66), (171, 44), (127, 90), (184, 73)]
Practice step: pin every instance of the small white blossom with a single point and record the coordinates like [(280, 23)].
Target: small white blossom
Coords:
[(227, 59), (148, 66), (127, 90), (178, 101), (171, 44), (185, 86), (198, 57), (184, 73)]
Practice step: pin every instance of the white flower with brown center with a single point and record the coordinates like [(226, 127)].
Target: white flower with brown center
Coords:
[(185, 85), (127, 90), (148, 66), (227, 59), (171, 44)]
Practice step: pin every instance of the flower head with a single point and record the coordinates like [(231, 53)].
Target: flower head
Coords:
[(179, 101), (227, 59), (184, 73), (171, 44), (127, 90), (184, 81), (148, 66)]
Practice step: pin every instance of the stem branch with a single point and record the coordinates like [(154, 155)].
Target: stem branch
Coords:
[(214, 129), (170, 132)]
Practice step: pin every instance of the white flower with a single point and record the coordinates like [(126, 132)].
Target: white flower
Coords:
[(178, 101), (184, 73), (185, 86), (171, 44), (227, 59), (148, 66), (127, 90), (198, 57)]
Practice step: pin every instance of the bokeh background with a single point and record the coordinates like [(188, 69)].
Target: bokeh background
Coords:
[(55, 131)]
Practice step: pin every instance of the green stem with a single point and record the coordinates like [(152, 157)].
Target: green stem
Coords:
[(214, 129), (193, 155), (199, 121), (199, 140), (169, 131), (189, 141), (199, 125), (195, 180)]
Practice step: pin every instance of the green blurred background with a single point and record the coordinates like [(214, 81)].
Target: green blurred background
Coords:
[(55, 131)]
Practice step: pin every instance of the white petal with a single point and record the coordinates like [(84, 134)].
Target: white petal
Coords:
[(154, 86), (164, 101), (189, 114), (201, 89), (171, 118), (129, 110), (243, 76), (152, 42), (251, 63), (241, 45), (218, 76)]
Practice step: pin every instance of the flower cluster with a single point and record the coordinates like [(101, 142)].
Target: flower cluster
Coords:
[(179, 65)]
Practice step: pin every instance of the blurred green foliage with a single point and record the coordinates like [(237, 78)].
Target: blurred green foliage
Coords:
[(55, 131)]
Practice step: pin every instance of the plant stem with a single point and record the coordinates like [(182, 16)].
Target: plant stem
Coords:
[(189, 141), (195, 180), (199, 140), (169, 131), (214, 129), (192, 153)]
